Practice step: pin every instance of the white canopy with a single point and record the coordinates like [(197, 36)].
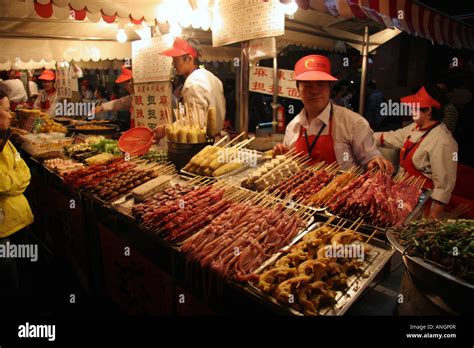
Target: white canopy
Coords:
[(30, 41)]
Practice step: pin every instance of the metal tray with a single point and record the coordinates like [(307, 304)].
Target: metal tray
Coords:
[(381, 253), (454, 291)]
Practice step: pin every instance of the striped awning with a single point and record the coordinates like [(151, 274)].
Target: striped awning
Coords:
[(414, 19)]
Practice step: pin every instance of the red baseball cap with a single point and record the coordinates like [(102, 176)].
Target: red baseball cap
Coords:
[(422, 98), (180, 48), (313, 68), (47, 75), (125, 75)]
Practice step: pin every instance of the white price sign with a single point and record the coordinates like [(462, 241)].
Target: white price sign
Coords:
[(242, 20), (261, 81)]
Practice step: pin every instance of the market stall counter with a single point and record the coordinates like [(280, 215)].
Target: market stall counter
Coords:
[(159, 243)]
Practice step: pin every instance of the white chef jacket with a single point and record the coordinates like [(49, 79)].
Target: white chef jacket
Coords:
[(124, 103), (14, 90), (351, 133), (435, 158), (204, 88), (33, 88)]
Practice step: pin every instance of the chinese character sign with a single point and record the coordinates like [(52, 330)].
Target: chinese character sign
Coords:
[(150, 100), (261, 81), (148, 64), (241, 20), (63, 82)]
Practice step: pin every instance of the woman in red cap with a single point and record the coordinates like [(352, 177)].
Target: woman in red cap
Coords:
[(325, 131), (427, 148), (124, 103), (47, 97)]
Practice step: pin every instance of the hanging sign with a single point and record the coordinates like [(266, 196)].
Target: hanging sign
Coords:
[(148, 64), (150, 100), (63, 81), (237, 20), (261, 81)]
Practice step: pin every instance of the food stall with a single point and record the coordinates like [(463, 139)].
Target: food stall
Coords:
[(231, 229)]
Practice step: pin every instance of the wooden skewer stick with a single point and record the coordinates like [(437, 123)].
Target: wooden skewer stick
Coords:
[(235, 139), (243, 143), (371, 236), (220, 141)]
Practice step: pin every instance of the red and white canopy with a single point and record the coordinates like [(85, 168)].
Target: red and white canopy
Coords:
[(415, 19), (406, 15)]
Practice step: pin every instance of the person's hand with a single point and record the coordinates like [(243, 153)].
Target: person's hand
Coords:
[(98, 109), (280, 149), (159, 132), (384, 165)]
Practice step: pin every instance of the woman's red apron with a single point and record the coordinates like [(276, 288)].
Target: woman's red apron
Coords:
[(45, 103), (406, 161), (319, 147)]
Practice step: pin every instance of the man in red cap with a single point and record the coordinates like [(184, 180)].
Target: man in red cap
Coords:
[(201, 87), (124, 103), (426, 146), (46, 100), (14, 89), (325, 131)]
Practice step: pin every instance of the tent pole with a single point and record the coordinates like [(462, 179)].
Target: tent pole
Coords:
[(363, 78), (275, 93), (243, 125)]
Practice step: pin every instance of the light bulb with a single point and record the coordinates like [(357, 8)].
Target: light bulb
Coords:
[(203, 4), (175, 30), (196, 20), (205, 22), (121, 35), (161, 14), (184, 20), (290, 8)]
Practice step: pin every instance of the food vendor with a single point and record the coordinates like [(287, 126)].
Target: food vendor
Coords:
[(328, 132), (47, 97), (427, 148), (201, 87), (124, 103)]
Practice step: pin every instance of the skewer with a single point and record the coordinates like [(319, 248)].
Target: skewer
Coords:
[(221, 140), (243, 143), (368, 239), (235, 139), (290, 152)]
